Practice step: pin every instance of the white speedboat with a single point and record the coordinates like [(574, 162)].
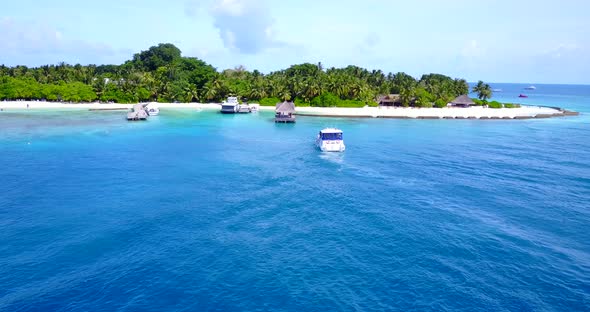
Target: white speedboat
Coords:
[(153, 109), (531, 88), (231, 106), (330, 140)]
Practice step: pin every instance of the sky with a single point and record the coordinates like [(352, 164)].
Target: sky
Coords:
[(542, 41)]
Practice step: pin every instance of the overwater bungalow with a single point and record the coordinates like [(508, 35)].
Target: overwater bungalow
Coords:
[(138, 112), (285, 112), (462, 101)]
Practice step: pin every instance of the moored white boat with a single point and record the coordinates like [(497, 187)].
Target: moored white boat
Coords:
[(244, 108), (153, 109), (230, 106), (254, 107), (330, 140), (531, 88)]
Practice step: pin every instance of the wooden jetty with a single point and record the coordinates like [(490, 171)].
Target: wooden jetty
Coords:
[(285, 112), (138, 112)]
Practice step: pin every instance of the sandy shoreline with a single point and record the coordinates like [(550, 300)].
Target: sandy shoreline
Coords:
[(476, 112)]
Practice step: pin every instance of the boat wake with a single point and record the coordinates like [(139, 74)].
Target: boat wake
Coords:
[(336, 158)]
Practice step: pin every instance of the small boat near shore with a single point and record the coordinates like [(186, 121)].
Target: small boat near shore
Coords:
[(330, 140), (244, 108), (153, 109), (231, 106), (531, 88), (523, 96)]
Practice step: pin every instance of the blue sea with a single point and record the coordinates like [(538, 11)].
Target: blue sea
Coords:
[(198, 211)]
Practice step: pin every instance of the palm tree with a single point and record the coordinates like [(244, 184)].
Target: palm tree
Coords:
[(257, 89), (164, 89), (314, 88), (285, 95), (478, 87), (99, 86), (148, 82), (213, 90), (486, 93), (483, 90), (210, 93), (191, 93), (460, 87), (278, 86), (331, 83), (407, 94)]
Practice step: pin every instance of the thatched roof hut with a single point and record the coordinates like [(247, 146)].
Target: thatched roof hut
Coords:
[(285, 108), (284, 112), (390, 100), (462, 101)]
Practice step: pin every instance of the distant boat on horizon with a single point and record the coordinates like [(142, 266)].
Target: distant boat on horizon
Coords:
[(531, 88), (497, 90), (523, 96)]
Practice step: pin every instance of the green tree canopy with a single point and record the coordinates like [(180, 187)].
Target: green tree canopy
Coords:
[(157, 56), (483, 90), (162, 74)]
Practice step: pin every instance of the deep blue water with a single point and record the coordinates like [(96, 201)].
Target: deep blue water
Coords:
[(197, 211)]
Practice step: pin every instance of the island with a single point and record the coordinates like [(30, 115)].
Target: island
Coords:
[(161, 74)]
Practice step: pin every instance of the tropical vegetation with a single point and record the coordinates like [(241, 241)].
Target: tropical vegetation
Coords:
[(483, 90), (162, 74)]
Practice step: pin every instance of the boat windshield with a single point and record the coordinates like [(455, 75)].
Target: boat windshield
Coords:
[(331, 136)]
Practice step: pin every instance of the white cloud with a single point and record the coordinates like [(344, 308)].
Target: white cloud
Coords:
[(562, 49), (268, 32), (372, 40), (472, 50), (234, 8), (39, 43), (245, 26), (229, 38)]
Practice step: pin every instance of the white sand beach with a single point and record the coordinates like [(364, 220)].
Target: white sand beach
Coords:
[(475, 112), (94, 105)]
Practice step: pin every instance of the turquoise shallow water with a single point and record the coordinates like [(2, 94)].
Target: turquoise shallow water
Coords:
[(199, 211)]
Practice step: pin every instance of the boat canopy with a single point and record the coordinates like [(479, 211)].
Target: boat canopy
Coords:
[(331, 135)]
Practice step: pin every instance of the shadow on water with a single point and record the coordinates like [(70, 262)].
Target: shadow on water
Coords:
[(282, 125)]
